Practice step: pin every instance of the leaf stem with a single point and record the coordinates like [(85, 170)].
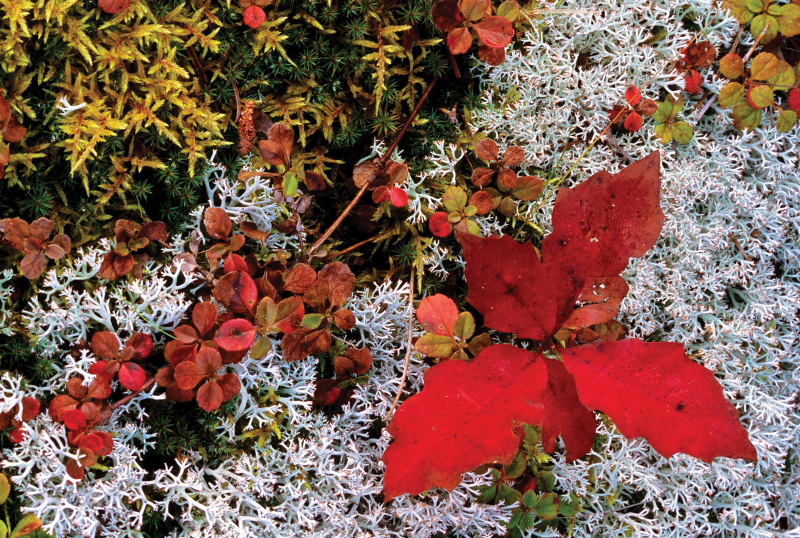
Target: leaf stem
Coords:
[(131, 396), (408, 345)]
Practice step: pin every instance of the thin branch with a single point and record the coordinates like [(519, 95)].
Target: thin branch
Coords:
[(129, 397), (613, 143), (351, 248), (408, 345)]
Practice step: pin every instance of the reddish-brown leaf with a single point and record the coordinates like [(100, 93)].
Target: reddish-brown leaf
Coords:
[(113, 6), (475, 10), (132, 376), (185, 334), (437, 314), (218, 223), (209, 396), (355, 361), (208, 361), (446, 15), (74, 419), (237, 292), (606, 219), (304, 342), (633, 122), (495, 32), (253, 232), (124, 230), (398, 197), (204, 316), (344, 319), (482, 202), (235, 335), (527, 188), (700, 54), (59, 405), (459, 40), (514, 290), (234, 262), (693, 81), (486, 149), (467, 415), (41, 228), (653, 390), (33, 265), (105, 345), (300, 278), (155, 230), (564, 414), (507, 179), (74, 469), (482, 176), (339, 280), (141, 344), (514, 156), (176, 352), (30, 408), (605, 294), (314, 181), (633, 95), (122, 265), (491, 55), (188, 375), (439, 224), (283, 136)]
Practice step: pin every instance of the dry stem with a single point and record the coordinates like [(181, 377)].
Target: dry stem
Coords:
[(408, 345)]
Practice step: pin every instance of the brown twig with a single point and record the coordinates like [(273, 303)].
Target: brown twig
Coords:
[(408, 345), (613, 143), (131, 396), (198, 66), (351, 248), (739, 248), (381, 164)]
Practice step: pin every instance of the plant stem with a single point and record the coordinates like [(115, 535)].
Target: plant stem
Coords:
[(613, 143), (408, 345), (129, 397), (351, 248), (381, 164), (757, 41)]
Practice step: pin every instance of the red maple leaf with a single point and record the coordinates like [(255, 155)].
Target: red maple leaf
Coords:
[(466, 415), (565, 415), (652, 390)]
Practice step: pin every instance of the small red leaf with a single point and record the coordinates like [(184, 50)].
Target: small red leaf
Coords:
[(209, 396), (105, 345), (633, 122), (218, 223), (486, 149), (300, 278), (604, 295), (446, 15), (74, 419), (234, 335), (230, 386), (237, 292), (254, 16), (208, 361), (185, 334), (113, 6), (437, 314), (60, 405), (132, 376), (108, 443), (33, 265), (91, 441), (399, 197), (491, 55), (495, 32), (794, 99), (653, 390), (289, 313), (439, 225), (693, 81), (314, 181), (204, 316), (187, 375), (459, 40), (30, 408), (467, 415), (141, 344), (633, 95), (234, 262), (74, 469)]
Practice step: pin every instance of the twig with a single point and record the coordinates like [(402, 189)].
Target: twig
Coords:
[(238, 103), (739, 248), (129, 397), (408, 345), (198, 65), (351, 248), (736, 41), (298, 231), (613, 143), (758, 40), (381, 164)]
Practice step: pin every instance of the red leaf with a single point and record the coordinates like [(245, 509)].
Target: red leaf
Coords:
[(218, 223), (399, 197), (234, 262), (108, 443), (439, 225), (33, 265), (91, 441), (437, 314), (17, 435), (208, 361), (122, 265), (466, 415), (339, 281), (235, 335), (607, 219), (230, 386), (314, 181), (474, 10), (653, 390), (446, 15), (209, 396), (486, 149), (289, 313), (495, 32), (185, 334), (282, 136), (187, 375), (564, 414), (491, 55), (693, 81), (113, 6), (300, 278), (605, 294), (74, 469), (30, 408), (132, 376), (237, 292), (514, 290), (459, 40), (794, 99), (60, 405), (141, 344), (633, 95), (204, 316), (304, 342), (177, 352), (254, 16), (74, 419), (633, 122)]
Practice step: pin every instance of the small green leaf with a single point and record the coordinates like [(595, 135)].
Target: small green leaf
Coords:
[(731, 66), (454, 199), (487, 495), (739, 10), (760, 96), (755, 6), (545, 481), (526, 522), (261, 348), (495, 474), (785, 78), (547, 506), (470, 210), (789, 20), (472, 227), (758, 24), (5, 488), (311, 321), (508, 495), (435, 345), (516, 467), (533, 434), (572, 507), (745, 116), (682, 132), (464, 326), (529, 499), (289, 184), (663, 132), (731, 95), (787, 119), (668, 108), (515, 518), (459, 356), (3, 530), (774, 10), (764, 66), (509, 9)]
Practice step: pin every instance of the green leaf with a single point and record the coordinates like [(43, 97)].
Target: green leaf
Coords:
[(26, 525), (311, 321), (545, 481), (731, 66), (517, 466), (758, 24), (739, 10), (786, 121), (668, 108), (470, 210), (529, 499), (515, 518), (764, 66), (533, 434), (571, 508), (774, 10), (435, 345), (746, 117), (755, 6), (5, 488), (3, 530), (478, 343), (526, 522), (509, 9), (682, 132), (731, 95), (464, 326), (760, 96), (508, 495), (261, 348), (454, 199), (785, 78), (547, 506), (663, 132), (289, 184), (487, 495), (789, 20)]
